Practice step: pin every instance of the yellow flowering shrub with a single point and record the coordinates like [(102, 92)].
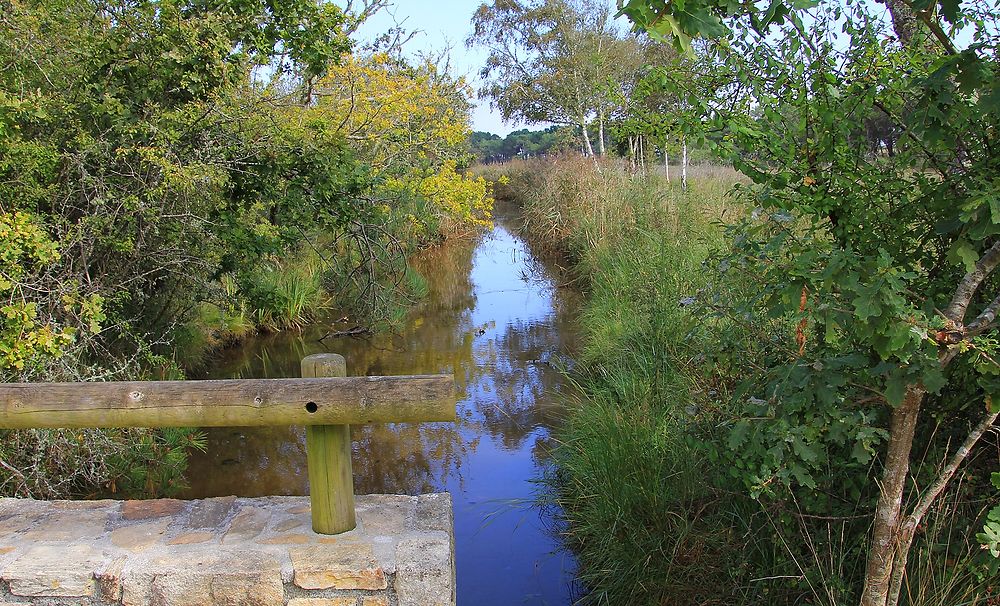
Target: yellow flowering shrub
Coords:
[(410, 124), (462, 196), (25, 248)]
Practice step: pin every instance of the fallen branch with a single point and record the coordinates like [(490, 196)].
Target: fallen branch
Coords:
[(357, 331)]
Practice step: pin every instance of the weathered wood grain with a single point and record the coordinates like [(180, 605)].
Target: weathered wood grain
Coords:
[(228, 403), (328, 456)]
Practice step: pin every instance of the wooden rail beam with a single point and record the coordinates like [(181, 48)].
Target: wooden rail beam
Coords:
[(228, 403), (324, 400)]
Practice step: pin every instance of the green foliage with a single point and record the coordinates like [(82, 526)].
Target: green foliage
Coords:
[(861, 296), (990, 536), (161, 163), (26, 248), (873, 272), (89, 463), (154, 160), (680, 22)]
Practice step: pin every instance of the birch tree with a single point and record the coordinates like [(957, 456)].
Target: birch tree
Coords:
[(550, 61)]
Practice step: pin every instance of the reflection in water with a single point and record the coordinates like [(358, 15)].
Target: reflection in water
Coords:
[(493, 319)]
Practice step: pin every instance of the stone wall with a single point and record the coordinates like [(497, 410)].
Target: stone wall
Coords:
[(225, 551)]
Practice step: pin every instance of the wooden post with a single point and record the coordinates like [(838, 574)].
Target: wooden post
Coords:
[(328, 453)]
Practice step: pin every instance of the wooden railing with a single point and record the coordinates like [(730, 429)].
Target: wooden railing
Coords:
[(325, 400)]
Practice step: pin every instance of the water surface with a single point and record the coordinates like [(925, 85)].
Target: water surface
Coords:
[(494, 318)]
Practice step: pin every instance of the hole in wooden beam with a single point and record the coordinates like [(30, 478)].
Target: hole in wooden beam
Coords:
[(311, 407)]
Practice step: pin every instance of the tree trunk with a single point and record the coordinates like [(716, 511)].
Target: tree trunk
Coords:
[(904, 20), (666, 162), (885, 536), (600, 133), (586, 138), (684, 163)]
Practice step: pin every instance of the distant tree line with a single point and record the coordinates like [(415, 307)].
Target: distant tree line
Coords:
[(488, 148)]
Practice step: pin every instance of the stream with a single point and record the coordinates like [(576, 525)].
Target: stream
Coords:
[(494, 318)]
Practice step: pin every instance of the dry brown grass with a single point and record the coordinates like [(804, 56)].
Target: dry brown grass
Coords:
[(571, 204)]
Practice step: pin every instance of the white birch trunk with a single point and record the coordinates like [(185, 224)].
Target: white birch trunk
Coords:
[(586, 139), (666, 162), (684, 163), (600, 133)]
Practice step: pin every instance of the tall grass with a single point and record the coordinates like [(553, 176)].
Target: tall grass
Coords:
[(645, 515), (286, 295), (654, 516), (291, 293)]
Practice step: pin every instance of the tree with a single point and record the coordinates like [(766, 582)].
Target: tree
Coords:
[(649, 108), (523, 143), (895, 322), (142, 165), (409, 123), (552, 61), (131, 133)]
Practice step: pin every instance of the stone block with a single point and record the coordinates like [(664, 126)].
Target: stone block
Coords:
[(13, 523), (205, 577), (337, 566), (434, 512), (338, 601), (109, 580), (69, 525), (17, 515), (287, 539), (289, 524), (139, 537), (390, 517), (247, 524), (210, 513), (190, 538), (153, 508), (168, 553), (27, 508), (105, 504), (425, 571), (55, 571)]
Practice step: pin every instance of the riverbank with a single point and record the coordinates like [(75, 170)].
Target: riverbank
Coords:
[(313, 284), (151, 212), (639, 512), (653, 464)]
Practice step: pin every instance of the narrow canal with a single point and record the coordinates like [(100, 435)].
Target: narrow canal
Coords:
[(494, 317)]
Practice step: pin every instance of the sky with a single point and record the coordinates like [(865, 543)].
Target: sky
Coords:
[(442, 24)]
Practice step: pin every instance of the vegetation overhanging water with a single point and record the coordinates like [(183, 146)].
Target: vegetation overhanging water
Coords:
[(494, 317)]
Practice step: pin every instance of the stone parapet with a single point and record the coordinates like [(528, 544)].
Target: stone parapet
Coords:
[(225, 551)]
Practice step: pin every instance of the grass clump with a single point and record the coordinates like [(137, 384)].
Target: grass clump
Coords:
[(645, 523)]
